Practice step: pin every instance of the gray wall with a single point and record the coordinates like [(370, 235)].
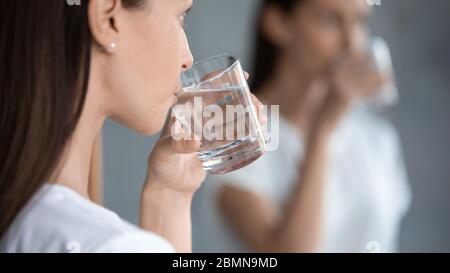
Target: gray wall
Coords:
[(419, 35)]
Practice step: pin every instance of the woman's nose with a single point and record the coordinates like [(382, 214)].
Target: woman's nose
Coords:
[(188, 61)]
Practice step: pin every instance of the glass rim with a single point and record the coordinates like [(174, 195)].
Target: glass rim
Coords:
[(228, 69)]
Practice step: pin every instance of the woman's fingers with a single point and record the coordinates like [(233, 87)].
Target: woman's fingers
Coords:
[(369, 84), (176, 139), (357, 77), (183, 141), (185, 146), (259, 110), (374, 83)]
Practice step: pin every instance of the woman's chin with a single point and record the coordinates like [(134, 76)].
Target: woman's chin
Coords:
[(147, 122), (152, 127), (155, 125), (147, 132)]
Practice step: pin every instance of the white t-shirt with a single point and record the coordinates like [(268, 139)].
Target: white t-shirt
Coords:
[(58, 219), (365, 198)]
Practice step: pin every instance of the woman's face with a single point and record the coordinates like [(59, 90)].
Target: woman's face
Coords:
[(142, 74), (320, 31)]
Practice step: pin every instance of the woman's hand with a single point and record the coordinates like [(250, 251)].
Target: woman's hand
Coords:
[(173, 164), (352, 79), (174, 174)]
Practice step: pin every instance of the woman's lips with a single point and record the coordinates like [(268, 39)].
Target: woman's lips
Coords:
[(178, 92)]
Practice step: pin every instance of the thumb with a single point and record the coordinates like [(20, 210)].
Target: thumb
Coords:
[(183, 142), (177, 142)]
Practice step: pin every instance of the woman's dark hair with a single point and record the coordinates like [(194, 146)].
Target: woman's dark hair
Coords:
[(45, 54), (266, 54)]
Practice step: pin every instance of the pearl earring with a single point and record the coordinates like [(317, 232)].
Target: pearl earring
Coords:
[(112, 46)]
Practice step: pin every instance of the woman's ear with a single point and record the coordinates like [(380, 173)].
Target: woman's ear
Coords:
[(104, 24), (275, 26)]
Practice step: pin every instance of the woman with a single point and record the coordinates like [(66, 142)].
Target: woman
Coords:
[(65, 69), (336, 182)]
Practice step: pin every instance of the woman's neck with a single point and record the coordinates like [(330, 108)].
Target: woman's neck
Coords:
[(74, 168)]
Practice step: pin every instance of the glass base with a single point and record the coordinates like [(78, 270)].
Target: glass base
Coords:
[(232, 156)]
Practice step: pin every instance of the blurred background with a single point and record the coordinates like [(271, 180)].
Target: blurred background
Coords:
[(418, 33)]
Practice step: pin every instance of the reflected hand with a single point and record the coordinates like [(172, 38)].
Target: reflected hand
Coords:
[(352, 79)]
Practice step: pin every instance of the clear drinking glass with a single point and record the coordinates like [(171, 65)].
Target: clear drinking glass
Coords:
[(381, 55), (216, 106)]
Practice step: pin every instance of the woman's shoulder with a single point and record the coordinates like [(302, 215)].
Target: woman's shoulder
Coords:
[(58, 219)]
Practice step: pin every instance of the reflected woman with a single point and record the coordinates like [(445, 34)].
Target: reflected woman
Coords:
[(337, 181)]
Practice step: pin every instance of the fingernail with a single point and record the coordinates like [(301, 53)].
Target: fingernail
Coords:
[(177, 131)]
